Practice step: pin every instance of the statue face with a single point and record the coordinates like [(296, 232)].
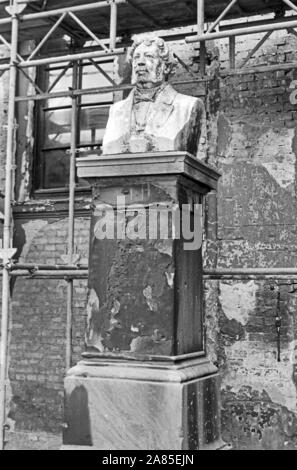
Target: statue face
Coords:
[(147, 65)]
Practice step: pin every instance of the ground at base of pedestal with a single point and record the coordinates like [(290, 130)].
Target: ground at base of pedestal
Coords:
[(29, 440)]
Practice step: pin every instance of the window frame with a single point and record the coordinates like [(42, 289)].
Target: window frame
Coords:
[(38, 167)]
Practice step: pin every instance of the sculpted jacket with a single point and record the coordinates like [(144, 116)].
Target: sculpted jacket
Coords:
[(173, 122)]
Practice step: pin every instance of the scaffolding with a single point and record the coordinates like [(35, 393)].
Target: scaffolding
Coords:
[(111, 29)]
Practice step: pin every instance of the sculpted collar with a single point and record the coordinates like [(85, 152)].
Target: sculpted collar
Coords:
[(149, 94), (160, 108)]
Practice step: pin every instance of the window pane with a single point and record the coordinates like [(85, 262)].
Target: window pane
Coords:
[(57, 129), (56, 169), (92, 78), (55, 123), (93, 121), (63, 84)]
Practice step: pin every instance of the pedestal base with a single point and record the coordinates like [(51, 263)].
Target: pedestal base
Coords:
[(112, 405)]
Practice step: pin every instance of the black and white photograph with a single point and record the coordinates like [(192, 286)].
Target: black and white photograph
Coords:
[(148, 234)]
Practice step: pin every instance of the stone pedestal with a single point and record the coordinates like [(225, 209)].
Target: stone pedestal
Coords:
[(145, 381)]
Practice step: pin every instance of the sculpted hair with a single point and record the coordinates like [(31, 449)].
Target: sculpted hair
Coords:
[(164, 52)]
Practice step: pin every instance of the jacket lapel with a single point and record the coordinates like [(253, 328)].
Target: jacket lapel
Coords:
[(124, 113), (161, 108), (158, 115)]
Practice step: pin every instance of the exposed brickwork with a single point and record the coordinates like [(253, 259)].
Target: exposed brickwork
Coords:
[(254, 129), (38, 330)]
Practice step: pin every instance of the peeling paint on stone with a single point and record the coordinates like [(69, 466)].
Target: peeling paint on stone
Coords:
[(134, 296), (114, 311), (116, 307), (260, 370), (164, 246), (134, 329), (26, 158), (274, 152), (260, 145), (256, 150), (170, 278), (93, 338), (252, 421), (151, 344), (224, 132), (148, 294), (31, 229), (139, 248), (238, 300)]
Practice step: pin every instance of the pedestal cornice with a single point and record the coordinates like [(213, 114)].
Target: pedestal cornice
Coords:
[(147, 164)]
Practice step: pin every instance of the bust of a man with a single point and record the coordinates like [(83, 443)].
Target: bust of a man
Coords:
[(154, 117)]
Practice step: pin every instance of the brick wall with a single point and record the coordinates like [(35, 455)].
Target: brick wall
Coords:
[(38, 325), (254, 129)]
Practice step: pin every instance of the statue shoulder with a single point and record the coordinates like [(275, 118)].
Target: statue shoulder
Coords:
[(120, 104), (191, 100), (193, 105)]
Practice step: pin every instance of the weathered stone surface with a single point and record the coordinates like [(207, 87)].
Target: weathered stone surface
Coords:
[(145, 286), (128, 406), (251, 420), (145, 306), (253, 128), (145, 290), (135, 301)]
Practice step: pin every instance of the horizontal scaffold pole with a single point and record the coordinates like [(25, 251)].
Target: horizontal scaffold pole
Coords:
[(66, 58), (207, 276), (259, 69), (59, 11), (98, 90), (207, 272), (242, 31), (67, 274), (65, 94), (251, 272), (46, 267)]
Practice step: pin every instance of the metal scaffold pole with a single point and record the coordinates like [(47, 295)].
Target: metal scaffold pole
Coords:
[(7, 251), (113, 25), (200, 30), (73, 147)]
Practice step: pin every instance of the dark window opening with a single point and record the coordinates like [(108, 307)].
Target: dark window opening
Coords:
[(53, 121)]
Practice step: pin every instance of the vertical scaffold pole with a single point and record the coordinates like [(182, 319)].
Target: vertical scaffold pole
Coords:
[(7, 235), (232, 52), (113, 25), (200, 30), (73, 146)]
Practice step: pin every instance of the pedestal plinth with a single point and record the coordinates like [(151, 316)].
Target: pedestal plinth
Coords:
[(145, 381)]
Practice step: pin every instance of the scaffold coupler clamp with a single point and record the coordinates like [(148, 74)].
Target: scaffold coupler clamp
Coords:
[(6, 254)]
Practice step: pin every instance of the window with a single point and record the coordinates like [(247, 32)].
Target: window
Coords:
[(53, 124)]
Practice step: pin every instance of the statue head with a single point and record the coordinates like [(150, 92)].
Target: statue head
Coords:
[(152, 62)]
